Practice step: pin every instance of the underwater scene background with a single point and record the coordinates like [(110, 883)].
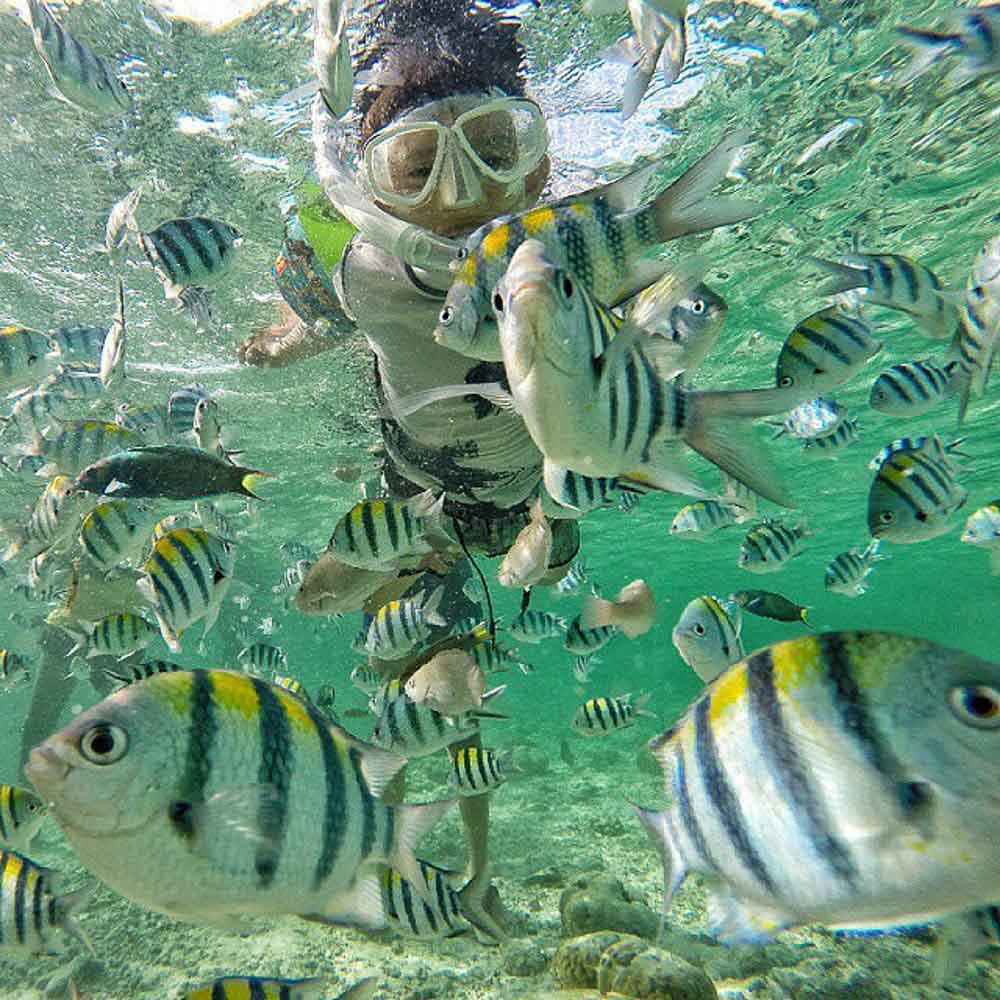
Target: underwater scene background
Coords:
[(840, 154)]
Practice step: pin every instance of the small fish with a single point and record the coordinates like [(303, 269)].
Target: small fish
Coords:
[(115, 532), (55, 516), (285, 817), (527, 560), (25, 356), (366, 678), (846, 573), (632, 611), (413, 730), (896, 282), (181, 406), (112, 366), (536, 626), (399, 627), (121, 222), (130, 674), (583, 668), (574, 580), (912, 499), (707, 636), (812, 419), (186, 579), (258, 988), (118, 635), (79, 343), (769, 547), (628, 501), (325, 700), (601, 236), (168, 471), (13, 669), (983, 529), (262, 657), (81, 443), (212, 519), (291, 684), (172, 523), (931, 445), (824, 351), (49, 573), (207, 427), (74, 380), (194, 251), (913, 388), (491, 657), (831, 445), (34, 414), (376, 534), (978, 334), (600, 716), (972, 38), (79, 76), (703, 518), (450, 682), (297, 551), (152, 423), (865, 743), (34, 915), (21, 816), (294, 575), (477, 770), (585, 641), (766, 604)]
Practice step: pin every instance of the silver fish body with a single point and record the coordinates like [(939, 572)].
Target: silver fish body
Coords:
[(81, 443), (848, 572), (703, 518), (587, 641), (536, 626), (181, 407), (478, 770), (844, 779), (830, 445), (25, 356), (263, 657), (769, 547), (22, 814), (707, 636), (114, 532), (600, 716), (211, 795), (912, 389), (192, 251)]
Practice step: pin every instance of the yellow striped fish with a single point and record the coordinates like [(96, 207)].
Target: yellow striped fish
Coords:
[(256, 988), (600, 716), (119, 635), (707, 636), (186, 578), (601, 236), (846, 779), (217, 795), (34, 917), (115, 532), (25, 356), (21, 815), (56, 515)]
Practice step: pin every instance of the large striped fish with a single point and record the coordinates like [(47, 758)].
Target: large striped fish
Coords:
[(847, 779), (210, 795), (259, 988), (195, 251), (600, 235)]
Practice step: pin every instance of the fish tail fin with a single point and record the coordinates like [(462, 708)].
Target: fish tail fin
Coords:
[(248, 479), (430, 609), (963, 389), (686, 206), (66, 907), (411, 823), (804, 615), (926, 47), (871, 552), (658, 828), (472, 906), (596, 612), (640, 705), (843, 277), (713, 430)]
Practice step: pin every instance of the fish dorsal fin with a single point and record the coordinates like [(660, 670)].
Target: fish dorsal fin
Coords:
[(654, 303), (643, 273), (623, 194)]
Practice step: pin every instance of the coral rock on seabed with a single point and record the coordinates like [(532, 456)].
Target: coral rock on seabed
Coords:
[(599, 903), (626, 965)]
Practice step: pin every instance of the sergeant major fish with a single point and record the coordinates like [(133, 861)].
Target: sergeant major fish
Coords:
[(830, 445), (703, 518), (259, 988), (400, 626), (847, 572), (78, 75), (115, 532), (913, 388), (707, 636), (211, 795), (876, 755), (25, 356), (478, 770), (771, 545), (600, 236), (22, 814), (600, 716)]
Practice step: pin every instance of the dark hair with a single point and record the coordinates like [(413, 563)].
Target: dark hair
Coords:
[(424, 50)]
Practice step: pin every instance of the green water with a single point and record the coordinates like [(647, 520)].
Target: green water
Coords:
[(917, 175)]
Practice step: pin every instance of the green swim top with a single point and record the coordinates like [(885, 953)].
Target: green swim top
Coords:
[(327, 231)]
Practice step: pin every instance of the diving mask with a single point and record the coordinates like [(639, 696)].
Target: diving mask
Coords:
[(503, 140)]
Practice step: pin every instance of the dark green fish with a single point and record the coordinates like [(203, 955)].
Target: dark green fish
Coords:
[(175, 472), (766, 604)]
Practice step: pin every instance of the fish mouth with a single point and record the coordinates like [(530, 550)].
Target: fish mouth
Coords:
[(45, 769)]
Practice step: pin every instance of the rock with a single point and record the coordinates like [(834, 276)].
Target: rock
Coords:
[(599, 903), (625, 964), (525, 960)]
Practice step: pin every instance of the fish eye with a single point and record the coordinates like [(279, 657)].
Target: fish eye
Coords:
[(699, 629), (698, 306), (921, 515), (462, 254), (447, 315), (566, 287), (497, 302), (32, 359), (786, 382), (104, 743), (887, 517), (977, 705)]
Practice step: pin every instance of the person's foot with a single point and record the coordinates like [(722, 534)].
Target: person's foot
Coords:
[(289, 339)]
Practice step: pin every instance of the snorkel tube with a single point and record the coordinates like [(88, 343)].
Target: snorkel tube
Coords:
[(419, 247)]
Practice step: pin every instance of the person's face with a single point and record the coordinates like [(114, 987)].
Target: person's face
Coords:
[(448, 211)]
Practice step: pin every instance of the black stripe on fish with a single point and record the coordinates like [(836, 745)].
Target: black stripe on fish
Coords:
[(194, 566), (612, 236), (257, 989), (574, 240), (20, 890), (192, 233), (38, 906), (198, 755), (407, 900), (686, 814), (778, 746), (165, 254), (825, 344), (168, 572), (631, 399), (723, 799), (367, 805), (371, 533), (910, 276), (392, 526), (334, 820), (277, 762)]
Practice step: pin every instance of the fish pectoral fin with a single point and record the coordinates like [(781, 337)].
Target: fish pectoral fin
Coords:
[(246, 812), (667, 472), (379, 767), (739, 921), (360, 905), (623, 194), (404, 406)]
